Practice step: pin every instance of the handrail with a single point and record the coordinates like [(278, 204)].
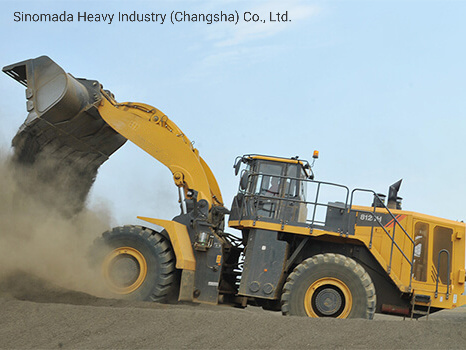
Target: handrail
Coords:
[(384, 207), (448, 272), (395, 222), (280, 199)]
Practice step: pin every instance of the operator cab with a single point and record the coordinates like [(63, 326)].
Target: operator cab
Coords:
[(271, 189)]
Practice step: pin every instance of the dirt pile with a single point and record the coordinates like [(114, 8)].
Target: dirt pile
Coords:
[(27, 287)]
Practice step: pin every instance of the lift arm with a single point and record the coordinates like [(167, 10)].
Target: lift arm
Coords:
[(155, 133)]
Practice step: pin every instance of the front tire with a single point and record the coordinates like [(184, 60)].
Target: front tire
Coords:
[(137, 263), (329, 285)]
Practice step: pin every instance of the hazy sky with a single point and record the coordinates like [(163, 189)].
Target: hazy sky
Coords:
[(378, 87)]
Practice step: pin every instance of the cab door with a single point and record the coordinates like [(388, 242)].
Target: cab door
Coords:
[(442, 254), (433, 256)]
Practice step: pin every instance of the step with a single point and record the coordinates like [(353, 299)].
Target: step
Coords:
[(421, 298)]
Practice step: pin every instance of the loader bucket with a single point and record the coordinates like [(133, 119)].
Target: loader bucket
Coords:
[(63, 137)]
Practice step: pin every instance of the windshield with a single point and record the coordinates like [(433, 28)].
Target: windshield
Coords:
[(268, 181), (279, 179)]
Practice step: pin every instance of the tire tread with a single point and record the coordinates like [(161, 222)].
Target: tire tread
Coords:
[(161, 290)]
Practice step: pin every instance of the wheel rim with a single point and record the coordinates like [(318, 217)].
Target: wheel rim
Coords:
[(328, 297), (124, 270)]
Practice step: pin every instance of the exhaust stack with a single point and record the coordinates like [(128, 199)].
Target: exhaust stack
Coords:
[(394, 202)]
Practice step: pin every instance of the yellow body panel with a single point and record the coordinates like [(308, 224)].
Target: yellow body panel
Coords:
[(180, 241), (156, 134), (461, 301)]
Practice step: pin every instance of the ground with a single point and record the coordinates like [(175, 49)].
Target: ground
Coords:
[(37, 314)]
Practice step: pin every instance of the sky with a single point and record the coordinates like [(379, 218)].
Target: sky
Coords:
[(377, 87)]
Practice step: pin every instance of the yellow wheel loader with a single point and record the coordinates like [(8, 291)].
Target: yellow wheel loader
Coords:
[(294, 250)]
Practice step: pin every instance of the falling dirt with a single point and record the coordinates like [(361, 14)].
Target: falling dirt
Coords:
[(40, 239)]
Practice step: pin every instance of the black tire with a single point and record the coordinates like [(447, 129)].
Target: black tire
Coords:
[(137, 263), (329, 285)]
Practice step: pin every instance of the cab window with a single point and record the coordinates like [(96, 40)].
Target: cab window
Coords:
[(421, 240), (291, 186), (269, 179)]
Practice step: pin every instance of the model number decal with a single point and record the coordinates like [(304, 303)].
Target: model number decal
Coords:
[(370, 217)]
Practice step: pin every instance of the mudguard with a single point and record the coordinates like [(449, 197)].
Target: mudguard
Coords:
[(180, 241), (185, 260)]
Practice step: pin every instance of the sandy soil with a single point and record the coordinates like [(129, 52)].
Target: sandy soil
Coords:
[(37, 314)]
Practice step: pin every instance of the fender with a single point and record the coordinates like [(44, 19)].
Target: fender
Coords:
[(180, 241), (183, 249)]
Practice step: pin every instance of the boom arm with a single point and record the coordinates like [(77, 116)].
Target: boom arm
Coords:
[(155, 133)]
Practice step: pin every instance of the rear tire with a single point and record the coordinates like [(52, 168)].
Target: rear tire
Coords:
[(137, 263), (329, 285)]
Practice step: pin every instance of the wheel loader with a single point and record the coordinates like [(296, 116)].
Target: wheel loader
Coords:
[(294, 249)]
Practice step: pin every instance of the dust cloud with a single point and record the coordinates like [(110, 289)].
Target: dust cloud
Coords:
[(40, 239)]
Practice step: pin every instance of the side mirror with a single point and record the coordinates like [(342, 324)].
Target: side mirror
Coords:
[(237, 165), (243, 183), (308, 171)]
